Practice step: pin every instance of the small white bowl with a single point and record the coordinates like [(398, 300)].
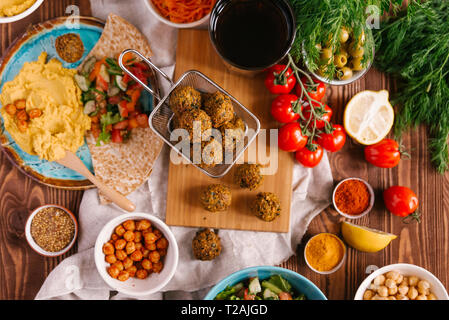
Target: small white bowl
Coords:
[(436, 287), (155, 12), (371, 201), (133, 286), (338, 266), (35, 246), (22, 15)]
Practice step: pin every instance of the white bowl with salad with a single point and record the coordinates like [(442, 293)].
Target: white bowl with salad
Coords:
[(265, 283)]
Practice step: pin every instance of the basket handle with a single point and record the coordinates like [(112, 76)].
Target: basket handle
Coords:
[(125, 69)]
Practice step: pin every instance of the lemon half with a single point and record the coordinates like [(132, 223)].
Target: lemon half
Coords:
[(365, 239), (368, 116)]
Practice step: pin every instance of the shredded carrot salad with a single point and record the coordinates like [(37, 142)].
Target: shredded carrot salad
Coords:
[(184, 11)]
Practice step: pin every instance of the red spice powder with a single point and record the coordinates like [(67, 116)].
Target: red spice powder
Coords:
[(352, 197)]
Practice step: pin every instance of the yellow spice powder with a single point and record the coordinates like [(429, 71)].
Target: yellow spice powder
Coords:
[(324, 252)]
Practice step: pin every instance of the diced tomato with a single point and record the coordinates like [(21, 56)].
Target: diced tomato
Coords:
[(133, 114), (285, 296), (141, 65), (103, 111), (102, 83), (96, 70), (109, 128), (122, 108), (95, 129), (126, 78), (247, 296), (121, 125), (128, 58), (114, 99), (132, 123), (95, 119), (142, 120), (116, 136)]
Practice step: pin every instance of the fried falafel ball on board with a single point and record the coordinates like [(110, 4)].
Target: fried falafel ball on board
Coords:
[(216, 197), (233, 134), (183, 99), (219, 107), (206, 245), (194, 117), (266, 206), (248, 176), (209, 155)]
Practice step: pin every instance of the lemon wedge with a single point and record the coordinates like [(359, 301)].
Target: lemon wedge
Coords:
[(365, 239), (368, 116)]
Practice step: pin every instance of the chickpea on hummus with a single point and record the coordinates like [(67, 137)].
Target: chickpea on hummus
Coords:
[(10, 8), (42, 109)]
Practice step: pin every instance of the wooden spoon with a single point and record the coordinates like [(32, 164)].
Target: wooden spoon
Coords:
[(73, 162)]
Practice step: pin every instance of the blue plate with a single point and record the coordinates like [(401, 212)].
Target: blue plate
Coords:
[(37, 39), (298, 282)]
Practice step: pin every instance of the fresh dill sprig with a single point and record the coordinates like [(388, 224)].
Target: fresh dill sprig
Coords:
[(320, 22), (414, 47)]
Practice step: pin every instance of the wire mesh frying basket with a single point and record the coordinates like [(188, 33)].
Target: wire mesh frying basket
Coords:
[(161, 117)]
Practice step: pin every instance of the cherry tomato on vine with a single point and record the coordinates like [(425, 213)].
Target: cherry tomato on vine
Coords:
[(291, 138), (334, 140), (315, 92), (309, 158), (401, 201), (323, 112), (278, 83), (384, 154), (285, 108)]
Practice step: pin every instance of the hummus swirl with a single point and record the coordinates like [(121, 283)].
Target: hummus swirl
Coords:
[(11, 8), (52, 89)]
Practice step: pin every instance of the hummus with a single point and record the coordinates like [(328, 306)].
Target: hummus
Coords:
[(11, 8), (52, 89)]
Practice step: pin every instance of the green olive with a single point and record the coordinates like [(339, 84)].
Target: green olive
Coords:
[(356, 64), (322, 70), (326, 56), (344, 73), (344, 35), (340, 60), (356, 51), (344, 52)]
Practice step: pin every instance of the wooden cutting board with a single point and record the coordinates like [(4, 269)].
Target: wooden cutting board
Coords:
[(185, 182)]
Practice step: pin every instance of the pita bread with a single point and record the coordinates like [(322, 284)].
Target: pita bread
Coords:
[(124, 166)]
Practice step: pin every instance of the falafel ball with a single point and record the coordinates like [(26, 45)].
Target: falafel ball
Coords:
[(210, 154), (266, 206), (248, 175), (219, 107), (188, 120), (216, 197), (183, 99), (206, 245), (233, 134)]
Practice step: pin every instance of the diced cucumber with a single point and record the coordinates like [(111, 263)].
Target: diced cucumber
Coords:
[(119, 83), (270, 295), (254, 286), (88, 65), (238, 286), (90, 107), (272, 287), (82, 82), (104, 73), (113, 91)]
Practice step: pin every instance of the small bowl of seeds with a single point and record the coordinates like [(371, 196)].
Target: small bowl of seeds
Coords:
[(51, 230)]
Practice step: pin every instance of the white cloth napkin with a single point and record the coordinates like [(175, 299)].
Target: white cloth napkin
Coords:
[(77, 278)]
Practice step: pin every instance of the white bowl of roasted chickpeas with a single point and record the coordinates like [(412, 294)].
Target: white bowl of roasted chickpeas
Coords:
[(401, 282), (136, 254)]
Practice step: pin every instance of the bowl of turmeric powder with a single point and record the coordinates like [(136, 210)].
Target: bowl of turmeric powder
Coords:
[(325, 253), (353, 198)]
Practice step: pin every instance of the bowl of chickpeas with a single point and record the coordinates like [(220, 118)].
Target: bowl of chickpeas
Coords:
[(351, 58), (401, 282), (136, 254)]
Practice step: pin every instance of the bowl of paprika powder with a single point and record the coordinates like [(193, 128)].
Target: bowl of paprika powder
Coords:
[(353, 198)]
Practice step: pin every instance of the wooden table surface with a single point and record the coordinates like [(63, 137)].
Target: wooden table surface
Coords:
[(22, 271)]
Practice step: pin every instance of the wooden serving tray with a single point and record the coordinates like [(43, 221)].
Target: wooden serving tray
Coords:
[(185, 182)]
